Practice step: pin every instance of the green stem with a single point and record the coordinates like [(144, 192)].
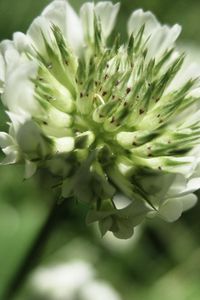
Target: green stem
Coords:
[(33, 256)]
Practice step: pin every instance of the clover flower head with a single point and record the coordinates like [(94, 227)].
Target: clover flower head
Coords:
[(70, 281), (107, 118)]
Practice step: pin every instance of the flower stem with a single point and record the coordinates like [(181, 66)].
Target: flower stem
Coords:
[(33, 256)]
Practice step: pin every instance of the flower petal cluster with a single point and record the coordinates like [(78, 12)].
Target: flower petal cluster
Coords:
[(104, 117), (72, 280)]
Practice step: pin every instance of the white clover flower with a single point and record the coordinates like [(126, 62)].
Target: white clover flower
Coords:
[(98, 290), (61, 281), (70, 281), (104, 117)]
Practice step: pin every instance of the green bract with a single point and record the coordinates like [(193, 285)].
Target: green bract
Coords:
[(106, 118)]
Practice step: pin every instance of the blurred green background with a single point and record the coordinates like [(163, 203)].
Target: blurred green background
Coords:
[(161, 261)]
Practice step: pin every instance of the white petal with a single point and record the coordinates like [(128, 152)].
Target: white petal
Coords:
[(29, 137), (19, 89), (87, 17), (2, 73), (30, 169), (64, 145), (10, 54), (5, 140), (32, 141), (188, 201), (12, 155), (62, 14), (106, 12), (9, 148), (162, 39), (40, 29), (192, 185), (21, 41), (139, 18), (6, 45), (17, 120), (121, 201), (172, 164), (57, 118), (171, 210), (188, 116), (178, 185), (186, 166), (187, 72)]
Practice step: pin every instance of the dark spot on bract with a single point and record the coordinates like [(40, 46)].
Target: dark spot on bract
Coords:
[(141, 111), (128, 90), (49, 98)]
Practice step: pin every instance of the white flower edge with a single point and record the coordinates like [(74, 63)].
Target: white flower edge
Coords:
[(2, 73), (72, 279), (172, 209), (159, 37), (10, 149), (73, 27), (106, 12)]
